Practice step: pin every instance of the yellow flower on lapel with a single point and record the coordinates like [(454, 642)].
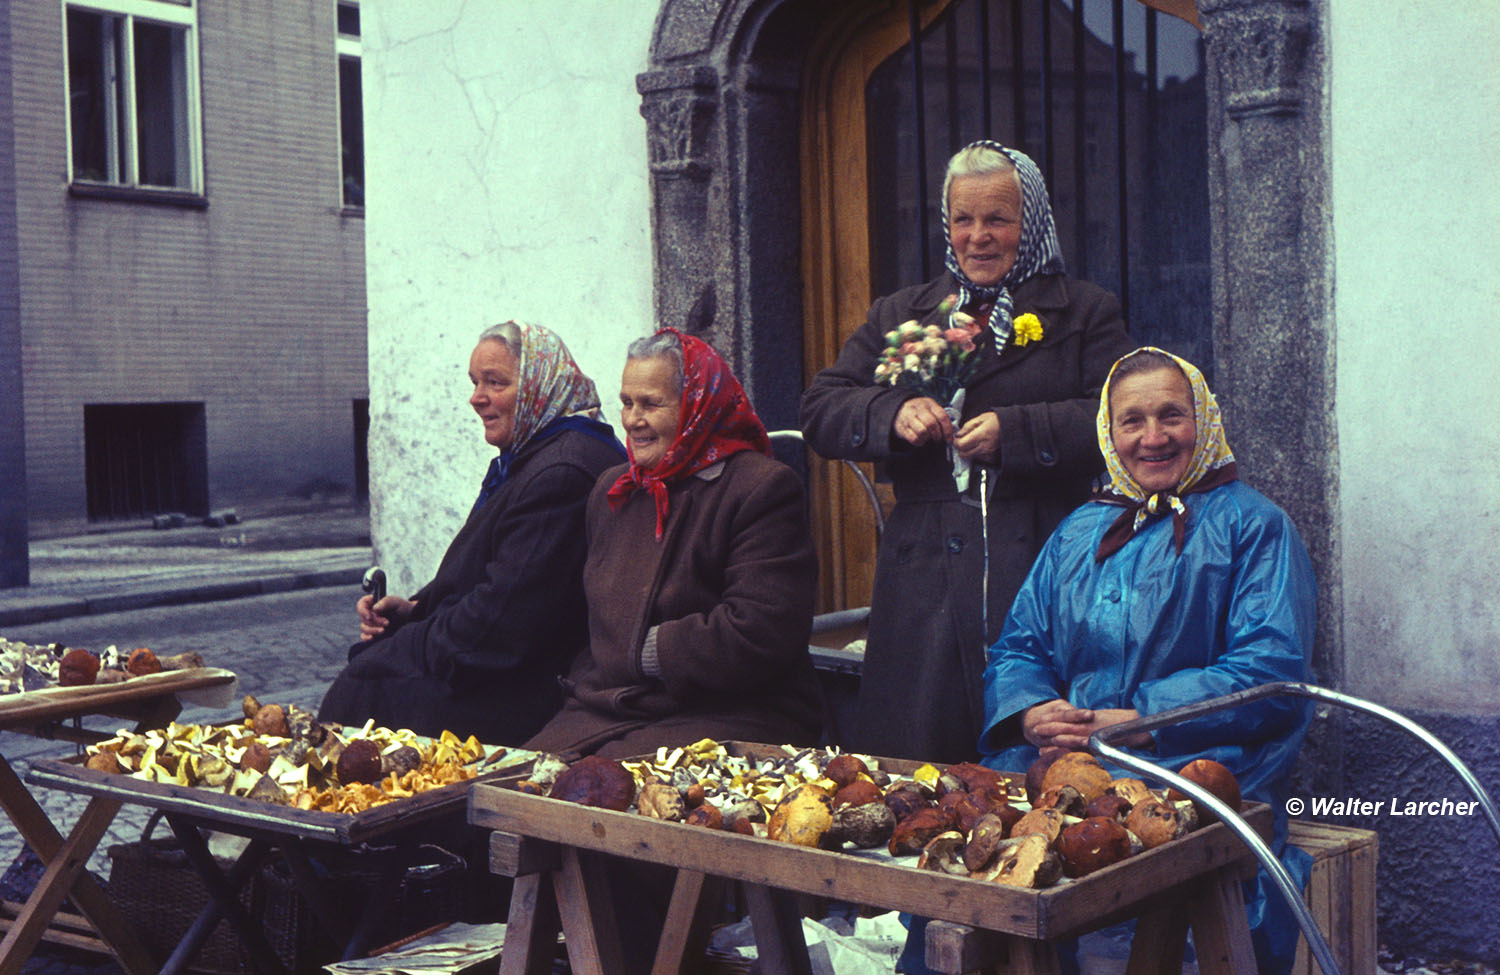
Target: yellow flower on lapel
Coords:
[(1026, 328)]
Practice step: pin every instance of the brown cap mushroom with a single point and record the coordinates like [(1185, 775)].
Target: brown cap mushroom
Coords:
[(1092, 844), (595, 781), (802, 817), (1214, 777), (1024, 861)]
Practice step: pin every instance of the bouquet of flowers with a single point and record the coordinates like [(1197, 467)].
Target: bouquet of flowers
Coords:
[(936, 362)]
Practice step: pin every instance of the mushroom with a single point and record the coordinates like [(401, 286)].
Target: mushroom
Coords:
[(1047, 823), (1131, 790), (1214, 777), (864, 826), (914, 832), (803, 817), (1064, 798), (706, 815), (1081, 771), (984, 842), (1157, 822), (658, 800), (943, 854), (1092, 844), (1024, 861)]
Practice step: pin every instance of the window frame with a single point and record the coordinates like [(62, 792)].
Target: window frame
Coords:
[(124, 145), (348, 47)]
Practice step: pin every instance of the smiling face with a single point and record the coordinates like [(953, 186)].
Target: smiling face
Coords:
[(1151, 424), (650, 408), (493, 370), (984, 223)]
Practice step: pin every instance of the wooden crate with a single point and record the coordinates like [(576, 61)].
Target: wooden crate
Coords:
[(1340, 893)]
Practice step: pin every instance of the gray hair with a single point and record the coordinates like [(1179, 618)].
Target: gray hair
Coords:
[(977, 161), (507, 334), (1142, 361), (661, 345)]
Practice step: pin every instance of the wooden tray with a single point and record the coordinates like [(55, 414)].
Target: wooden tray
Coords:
[(245, 815), (876, 880), (51, 703)]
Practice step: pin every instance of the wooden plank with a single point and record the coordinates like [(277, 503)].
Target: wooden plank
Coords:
[(954, 949), (53, 703), (869, 879), (1159, 941), (519, 856), (697, 899), (1363, 930), (1221, 931), (532, 927), (779, 943), (588, 917)]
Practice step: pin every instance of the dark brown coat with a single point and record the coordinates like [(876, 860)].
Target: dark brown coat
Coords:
[(501, 619), (730, 587), (920, 690)]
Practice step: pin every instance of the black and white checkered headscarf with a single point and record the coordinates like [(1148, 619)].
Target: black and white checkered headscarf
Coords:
[(1038, 252)]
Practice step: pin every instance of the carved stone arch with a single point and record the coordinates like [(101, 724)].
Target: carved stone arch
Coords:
[(721, 101)]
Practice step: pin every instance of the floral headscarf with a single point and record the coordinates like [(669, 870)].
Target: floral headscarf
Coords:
[(1212, 464), (716, 421), (1038, 253), (552, 394)]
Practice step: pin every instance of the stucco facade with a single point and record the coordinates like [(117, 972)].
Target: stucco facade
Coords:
[(1353, 272)]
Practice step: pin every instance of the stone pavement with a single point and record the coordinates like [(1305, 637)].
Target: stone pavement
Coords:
[(176, 590)]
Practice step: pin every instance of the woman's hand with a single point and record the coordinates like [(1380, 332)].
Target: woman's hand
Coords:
[(922, 421), (375, 618), (979, 439), (1056, 724)]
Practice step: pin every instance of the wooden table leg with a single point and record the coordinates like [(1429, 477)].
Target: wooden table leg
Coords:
[(209, 916), (532, 927), (226, 895), (695, 898), (1221, 931), (65, 875), (588, 918), (778, 931), (1159, 942)]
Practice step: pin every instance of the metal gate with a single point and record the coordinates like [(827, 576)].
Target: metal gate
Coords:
[(1108, 97)]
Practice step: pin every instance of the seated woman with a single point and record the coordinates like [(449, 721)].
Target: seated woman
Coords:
[(1176, 584), (479, 649), (700, 573)]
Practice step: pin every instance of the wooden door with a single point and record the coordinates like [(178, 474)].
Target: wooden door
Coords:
[(836, 261)]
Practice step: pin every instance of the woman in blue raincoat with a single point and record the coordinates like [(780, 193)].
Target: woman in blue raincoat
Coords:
[(1175, 584)]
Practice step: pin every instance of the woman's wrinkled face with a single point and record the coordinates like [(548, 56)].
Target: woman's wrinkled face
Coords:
[(1151, 424), (650, 408), (984, 224), (494, 371)]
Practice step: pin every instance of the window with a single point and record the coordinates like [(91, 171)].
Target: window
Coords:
[(132, 95), (351, 107)]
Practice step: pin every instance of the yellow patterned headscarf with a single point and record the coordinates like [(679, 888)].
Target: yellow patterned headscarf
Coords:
[(1212, 463)]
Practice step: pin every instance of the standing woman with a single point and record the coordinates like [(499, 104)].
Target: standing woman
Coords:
[(700, 573), (1045, 344), (479, 649)]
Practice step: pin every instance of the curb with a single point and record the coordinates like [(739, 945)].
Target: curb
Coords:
[(42, 609)]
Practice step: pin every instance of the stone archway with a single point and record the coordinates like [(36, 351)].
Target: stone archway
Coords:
[(721, 98)]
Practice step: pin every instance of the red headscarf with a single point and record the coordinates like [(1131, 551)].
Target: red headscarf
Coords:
[(716, 421)]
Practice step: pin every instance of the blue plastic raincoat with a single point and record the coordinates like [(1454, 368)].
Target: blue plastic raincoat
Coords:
[(1150, 629)]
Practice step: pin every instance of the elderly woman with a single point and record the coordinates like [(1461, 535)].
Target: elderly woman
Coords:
[(1044, 344), (1176, 584), (700, 573), (479, 649)]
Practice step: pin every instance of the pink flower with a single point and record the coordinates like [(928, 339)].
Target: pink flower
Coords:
[(961, 337)]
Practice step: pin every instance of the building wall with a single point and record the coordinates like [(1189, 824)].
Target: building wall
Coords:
[(506, 161), (253, 305), (1415, 132), (1414, 95)]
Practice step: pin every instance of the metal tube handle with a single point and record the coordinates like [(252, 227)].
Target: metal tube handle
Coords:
[(1099, 745)]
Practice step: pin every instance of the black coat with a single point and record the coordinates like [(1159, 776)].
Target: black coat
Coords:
[(920, 693), (501, 620)]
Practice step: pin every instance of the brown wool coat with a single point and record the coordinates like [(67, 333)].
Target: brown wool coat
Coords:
[(920, 693), (730, 586)]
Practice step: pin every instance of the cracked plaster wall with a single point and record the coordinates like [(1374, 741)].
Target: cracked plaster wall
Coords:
[(507, 178), (1415, 131)]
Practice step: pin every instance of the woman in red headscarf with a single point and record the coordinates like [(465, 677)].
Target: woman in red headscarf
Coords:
[(699, 576)]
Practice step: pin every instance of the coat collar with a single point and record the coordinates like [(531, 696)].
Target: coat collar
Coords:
[(1043, 292)]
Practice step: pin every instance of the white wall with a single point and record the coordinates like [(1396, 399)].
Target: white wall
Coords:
[(1415, 136), (511, 135)]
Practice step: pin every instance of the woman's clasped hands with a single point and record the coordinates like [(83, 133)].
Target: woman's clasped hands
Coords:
[(922, 421), (1056, 726)]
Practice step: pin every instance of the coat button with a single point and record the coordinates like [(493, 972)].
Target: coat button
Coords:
[(1046, 457), (955, 544), (858, 437), (1113, 595)]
